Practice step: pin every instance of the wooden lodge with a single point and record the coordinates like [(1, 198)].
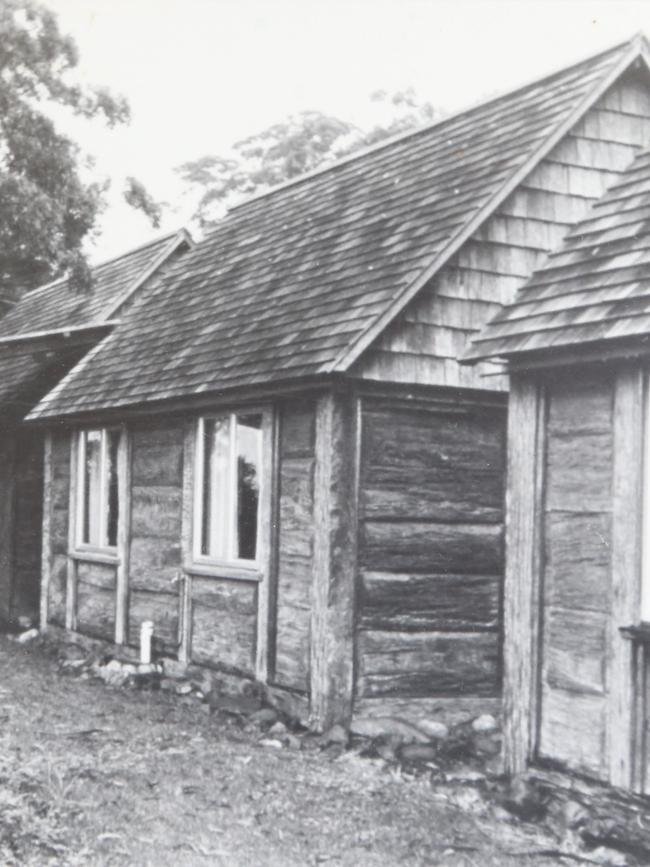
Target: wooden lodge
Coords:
[(277, 457)]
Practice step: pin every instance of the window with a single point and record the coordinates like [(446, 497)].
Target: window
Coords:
[(97, 488), (227, 491)]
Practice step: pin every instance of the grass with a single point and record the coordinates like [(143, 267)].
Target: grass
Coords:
[(93, 775)]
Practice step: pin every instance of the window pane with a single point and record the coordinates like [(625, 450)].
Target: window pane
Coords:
[(91, 524), (249, 459), (113, 439), (216, 488)]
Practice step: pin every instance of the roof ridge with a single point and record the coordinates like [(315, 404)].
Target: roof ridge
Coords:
[(420, 130)]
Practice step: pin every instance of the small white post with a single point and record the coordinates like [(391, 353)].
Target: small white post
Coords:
[(146, 633)]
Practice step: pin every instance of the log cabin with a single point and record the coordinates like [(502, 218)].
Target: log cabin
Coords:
[(277, 457), (577, 345), (42, 337)]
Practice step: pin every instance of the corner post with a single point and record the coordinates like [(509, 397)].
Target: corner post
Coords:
[(522, 577), (46, 550), (334, 570), (123, 537), (626, 572)]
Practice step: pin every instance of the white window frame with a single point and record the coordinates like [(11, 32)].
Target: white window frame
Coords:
[(80, 492), (198, 558)]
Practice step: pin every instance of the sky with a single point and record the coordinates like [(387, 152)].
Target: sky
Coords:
[(201, 74)]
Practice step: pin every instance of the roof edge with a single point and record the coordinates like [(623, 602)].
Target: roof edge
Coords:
[(639, 48), (181, 237), (424, 128), (65, 332)]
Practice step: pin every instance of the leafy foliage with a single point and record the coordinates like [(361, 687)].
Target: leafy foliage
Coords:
[(47, 209), (298, 144)]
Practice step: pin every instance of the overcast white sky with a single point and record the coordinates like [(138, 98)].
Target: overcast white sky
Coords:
[(200, 74)]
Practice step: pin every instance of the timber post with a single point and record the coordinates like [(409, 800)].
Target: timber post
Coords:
[(334, 573), (521, 592)]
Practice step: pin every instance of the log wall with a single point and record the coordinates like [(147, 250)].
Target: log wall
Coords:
[(28, 519), (423, 346), (155, 531), (295, 544), (431, 494), (577, 583), (59, 501)]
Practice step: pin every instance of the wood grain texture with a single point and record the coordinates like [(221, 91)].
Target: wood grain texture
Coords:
[(157, 455), (520, 600), (574, 731), (575, 650), (570, 488), (626, 560), (224, 623), (187, 536), (407, 664), (162, 610), (95, 610), (408, 602), (451, 711), (334, 570), (124, 488), (71, 584), (295, 545), (46, 549), (577, 560)]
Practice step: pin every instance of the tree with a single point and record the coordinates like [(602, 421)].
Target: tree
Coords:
[(296, 145), (47, 208)]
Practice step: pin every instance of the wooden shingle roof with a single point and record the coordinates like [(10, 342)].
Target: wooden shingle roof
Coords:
[(595, 288), (50, 328), (297, 283)]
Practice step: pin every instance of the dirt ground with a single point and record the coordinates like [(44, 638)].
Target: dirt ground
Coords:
[(96, 775)]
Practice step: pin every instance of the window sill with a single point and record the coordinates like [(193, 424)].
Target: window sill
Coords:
[(94, 556), (639, 633), (222, 570)]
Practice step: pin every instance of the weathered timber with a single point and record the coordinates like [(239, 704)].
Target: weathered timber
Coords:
[(162, 610), (156, 512), (581, 407), (187, 533), (56, 596), (423, 664), (607, 816), (123, 537), (266, 593), (573, 731), (295, 545), (224, 623), (448, 710), (157, 456), (575, 650), (332, 622), (520, 593), (46, 548), (28, 525), (71, 581), (97, 574), (577, 560), (298, 429), (154, 565), (475, 549), (434, 602), (95, 610), (626, 571), (569, 487)]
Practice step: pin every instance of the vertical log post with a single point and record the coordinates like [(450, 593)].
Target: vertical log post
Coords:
[(334, 571), (71, 578), (522, 585), (46, 549), (123, 538), (187, 540), (626, 571)]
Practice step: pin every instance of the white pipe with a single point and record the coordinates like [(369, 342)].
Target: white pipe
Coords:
[(146, 633)]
